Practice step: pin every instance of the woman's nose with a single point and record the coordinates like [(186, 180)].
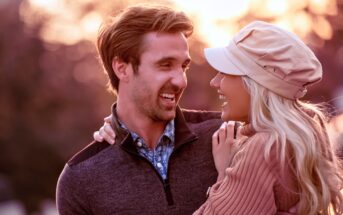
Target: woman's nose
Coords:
[(215, 81)]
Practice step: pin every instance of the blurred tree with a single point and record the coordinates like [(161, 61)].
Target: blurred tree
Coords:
[(47, 111)]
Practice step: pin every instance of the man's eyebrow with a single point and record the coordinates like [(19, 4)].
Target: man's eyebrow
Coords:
[(164, 59)]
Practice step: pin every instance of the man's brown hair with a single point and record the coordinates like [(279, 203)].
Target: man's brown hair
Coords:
[(122, 36)]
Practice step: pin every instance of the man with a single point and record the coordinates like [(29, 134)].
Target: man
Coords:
[(161, 162)]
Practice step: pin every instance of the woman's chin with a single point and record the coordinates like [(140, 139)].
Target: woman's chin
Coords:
[(225, 116)]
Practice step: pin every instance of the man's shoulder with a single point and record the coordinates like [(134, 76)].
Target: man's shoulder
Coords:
[(198, 116), (87, 153)]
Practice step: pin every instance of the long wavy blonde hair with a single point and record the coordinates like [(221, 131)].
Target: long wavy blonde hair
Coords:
[(299, 129)]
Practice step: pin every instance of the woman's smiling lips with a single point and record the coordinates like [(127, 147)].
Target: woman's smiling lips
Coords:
[(223, 98)]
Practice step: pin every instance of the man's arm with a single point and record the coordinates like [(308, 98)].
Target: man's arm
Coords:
[(70, 198), (195, 116)]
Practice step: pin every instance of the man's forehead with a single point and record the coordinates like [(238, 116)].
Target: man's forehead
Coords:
[(156, 40), (160, 47)]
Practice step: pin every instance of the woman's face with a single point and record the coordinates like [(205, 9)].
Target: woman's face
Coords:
[(235, 97)]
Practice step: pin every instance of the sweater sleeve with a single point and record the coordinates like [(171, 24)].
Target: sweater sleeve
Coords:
[(70, 198), (247, 187)]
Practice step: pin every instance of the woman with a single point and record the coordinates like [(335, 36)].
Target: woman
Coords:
[(282, 156), (262, 74)]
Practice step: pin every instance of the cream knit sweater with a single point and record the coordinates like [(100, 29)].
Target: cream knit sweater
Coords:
[(252, 184)]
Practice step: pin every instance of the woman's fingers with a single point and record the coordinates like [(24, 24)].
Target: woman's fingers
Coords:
[(109, 130), (97, 137), (230, 127), (215, 138), (222, 133), (239, 132), (222, 148), (108, 119), (226, 133), (105, 133)]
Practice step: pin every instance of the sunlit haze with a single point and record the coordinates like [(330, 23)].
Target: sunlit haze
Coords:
[(215, 21), (209, 15)]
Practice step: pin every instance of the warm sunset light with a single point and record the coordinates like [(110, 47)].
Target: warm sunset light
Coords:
[(49, 5), (277, 7), (65, 23), (269, 8), (215, 21), (55, 93), (90, 25), (218, 19)]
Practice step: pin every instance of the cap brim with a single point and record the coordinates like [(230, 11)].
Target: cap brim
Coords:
[(218, 58)]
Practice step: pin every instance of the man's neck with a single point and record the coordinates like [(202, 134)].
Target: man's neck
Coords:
[(142, 125)]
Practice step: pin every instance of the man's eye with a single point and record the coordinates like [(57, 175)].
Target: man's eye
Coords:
[(165, 65)]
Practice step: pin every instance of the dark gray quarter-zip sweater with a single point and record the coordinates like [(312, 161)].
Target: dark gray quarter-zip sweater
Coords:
[(114, 179)]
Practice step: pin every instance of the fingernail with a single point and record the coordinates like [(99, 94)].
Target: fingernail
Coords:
[(112, 141)]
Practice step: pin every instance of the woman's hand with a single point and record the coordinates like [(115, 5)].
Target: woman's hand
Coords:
[(105, 132), (224, 146)]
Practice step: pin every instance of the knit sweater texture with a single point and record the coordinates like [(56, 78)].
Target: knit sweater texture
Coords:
[(253, 184), (114, 179)]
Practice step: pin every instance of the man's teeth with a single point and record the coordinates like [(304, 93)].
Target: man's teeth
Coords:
[(168, 96)]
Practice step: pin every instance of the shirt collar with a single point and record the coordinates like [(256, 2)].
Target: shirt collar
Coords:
[(168, 132), (183, 133)]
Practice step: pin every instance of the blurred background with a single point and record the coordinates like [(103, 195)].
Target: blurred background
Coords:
[(53, 91)]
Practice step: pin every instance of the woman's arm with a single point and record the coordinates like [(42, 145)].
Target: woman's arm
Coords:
[(106, 132), (247, 187)]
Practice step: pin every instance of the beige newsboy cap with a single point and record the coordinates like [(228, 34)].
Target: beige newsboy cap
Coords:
[(271, 56)]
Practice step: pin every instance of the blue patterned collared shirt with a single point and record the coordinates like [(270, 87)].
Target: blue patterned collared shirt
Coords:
[(158, 156)]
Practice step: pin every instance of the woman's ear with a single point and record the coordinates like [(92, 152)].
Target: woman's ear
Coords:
[(121, 69)]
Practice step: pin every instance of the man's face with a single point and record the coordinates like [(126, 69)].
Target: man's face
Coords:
[(161, 76)]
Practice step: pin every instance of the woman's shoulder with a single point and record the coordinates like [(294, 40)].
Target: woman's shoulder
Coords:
[(258, 139), (252, 147), (254, 136), (262, 136), (261, 146)]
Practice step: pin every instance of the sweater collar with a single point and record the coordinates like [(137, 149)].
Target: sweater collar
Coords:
[(183, 134)]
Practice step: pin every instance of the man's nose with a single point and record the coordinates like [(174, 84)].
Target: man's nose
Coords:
[(180, 79)]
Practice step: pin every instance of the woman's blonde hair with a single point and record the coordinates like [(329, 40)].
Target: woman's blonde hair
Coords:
[(299, 131)]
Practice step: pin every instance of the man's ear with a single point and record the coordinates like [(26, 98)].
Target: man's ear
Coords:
[(121, 69)]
